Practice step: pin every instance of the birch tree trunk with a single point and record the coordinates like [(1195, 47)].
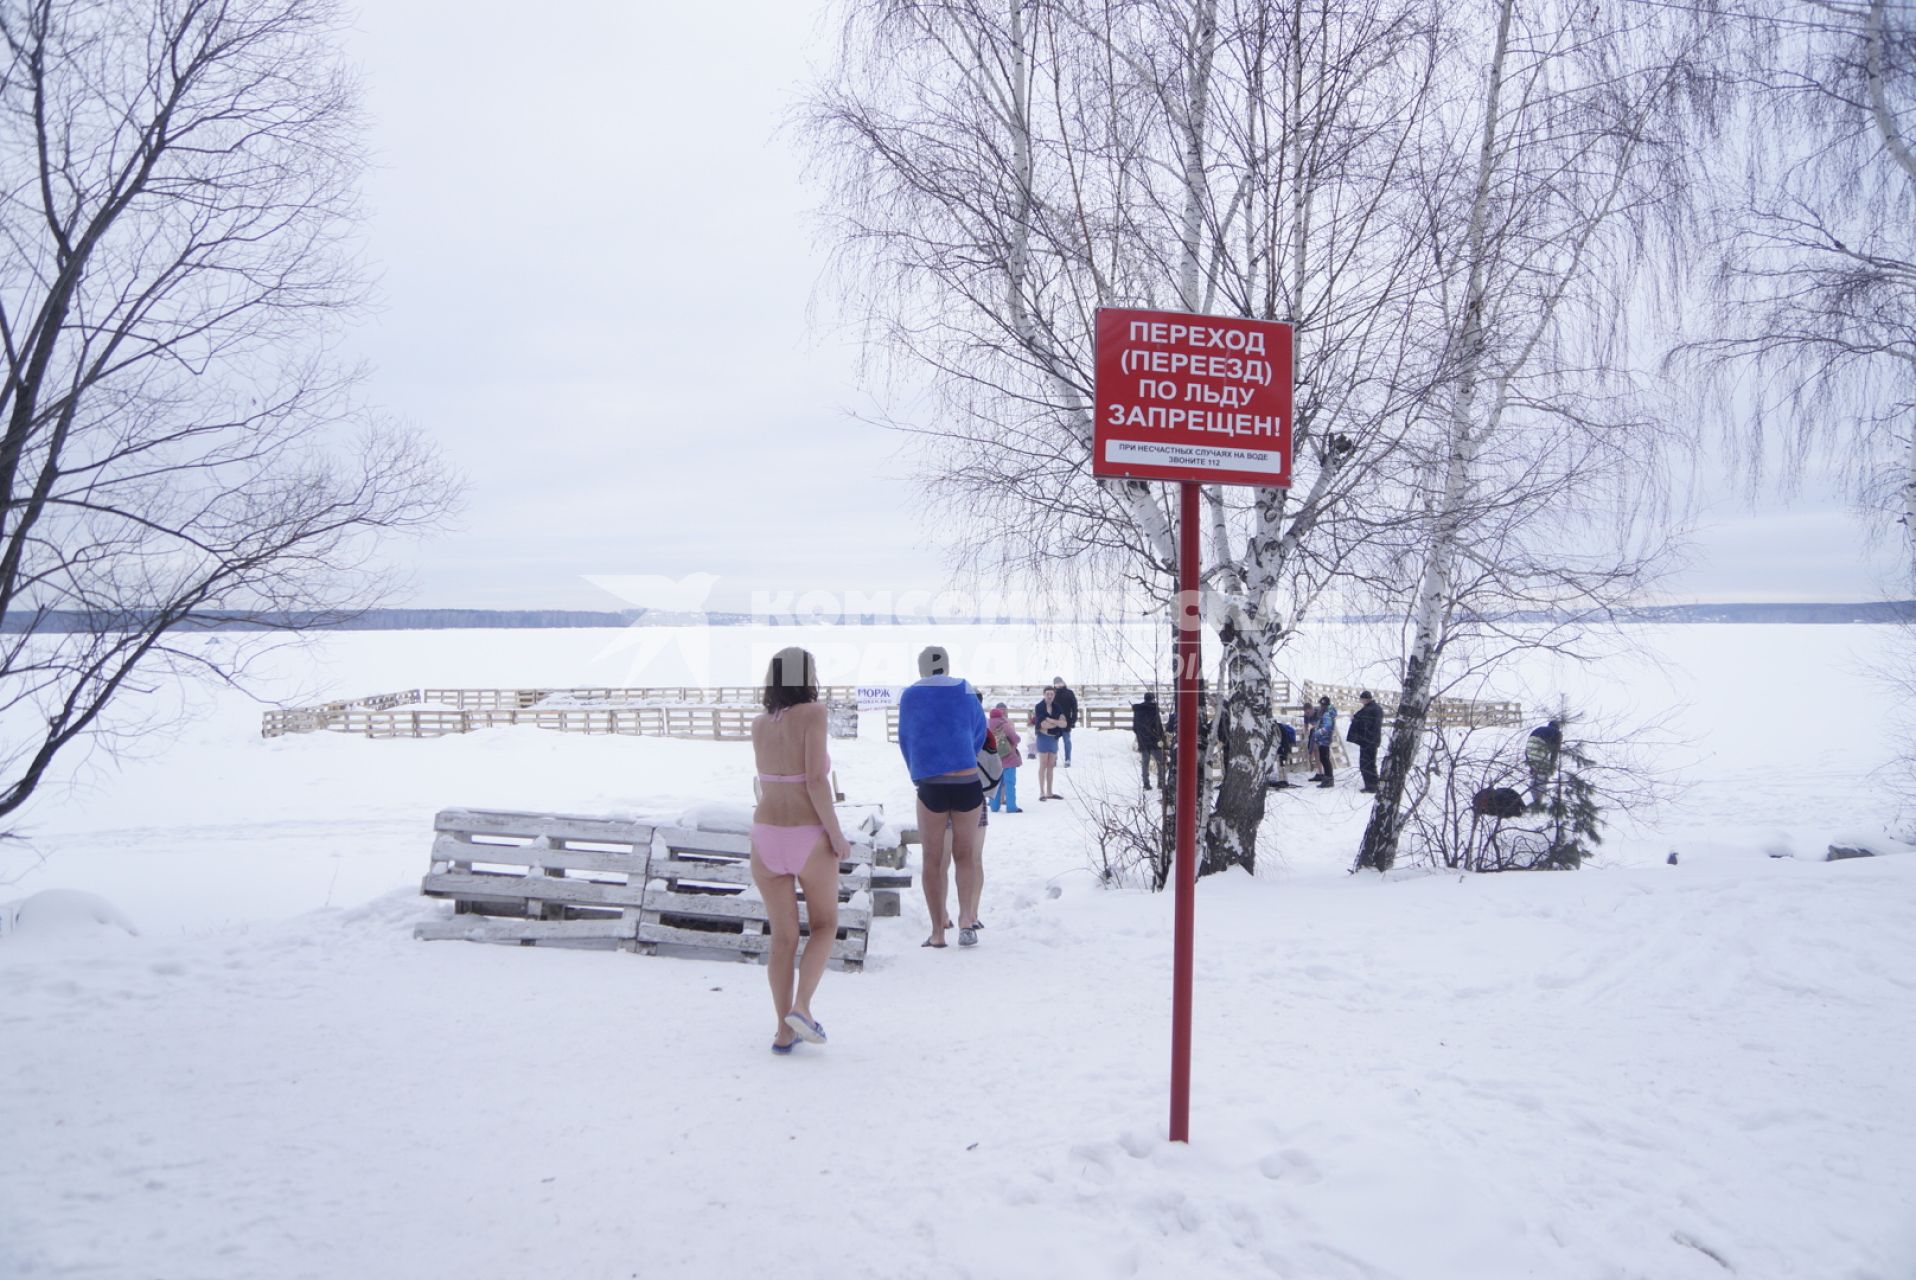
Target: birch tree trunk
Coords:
[(1001, 169), (1431, 612)]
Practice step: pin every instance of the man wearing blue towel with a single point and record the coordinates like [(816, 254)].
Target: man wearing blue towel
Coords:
[(941, 726)]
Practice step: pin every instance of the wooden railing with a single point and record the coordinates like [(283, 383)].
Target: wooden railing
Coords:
[(331, 715), (1100, 706), (1444, 712), (691, 695), (673, 711), (725, 712)]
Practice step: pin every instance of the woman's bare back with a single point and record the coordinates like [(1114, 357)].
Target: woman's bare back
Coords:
[(779, 746)]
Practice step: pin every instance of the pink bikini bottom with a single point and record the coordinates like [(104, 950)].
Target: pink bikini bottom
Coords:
[(784, 850)]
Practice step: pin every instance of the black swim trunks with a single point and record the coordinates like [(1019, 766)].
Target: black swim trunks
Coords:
[(951, 797)]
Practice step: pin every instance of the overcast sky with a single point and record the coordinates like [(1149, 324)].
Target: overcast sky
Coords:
[(601, 293)]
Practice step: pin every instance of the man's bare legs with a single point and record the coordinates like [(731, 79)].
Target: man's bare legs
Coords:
[(931, 845), (970, 882), (968, 862)]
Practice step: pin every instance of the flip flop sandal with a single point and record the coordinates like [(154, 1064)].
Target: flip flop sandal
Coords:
[(967, 937), (787, 1047), (929, 943), (806, 1028)]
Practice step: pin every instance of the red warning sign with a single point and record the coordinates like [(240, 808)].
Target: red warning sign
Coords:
[(1191, 397)]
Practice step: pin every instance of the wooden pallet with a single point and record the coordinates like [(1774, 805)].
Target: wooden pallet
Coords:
[(538, 878), (696, 900), (614, 883)]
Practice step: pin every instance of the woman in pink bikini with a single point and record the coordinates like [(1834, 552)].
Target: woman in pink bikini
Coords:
[(795, 837)]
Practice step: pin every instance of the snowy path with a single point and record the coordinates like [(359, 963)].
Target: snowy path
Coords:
[(1698, 1066)]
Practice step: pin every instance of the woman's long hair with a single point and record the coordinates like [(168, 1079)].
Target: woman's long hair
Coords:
[(791, 678)]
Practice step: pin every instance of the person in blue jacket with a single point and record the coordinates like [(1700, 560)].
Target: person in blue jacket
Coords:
[(1323, 734), (941, 726)]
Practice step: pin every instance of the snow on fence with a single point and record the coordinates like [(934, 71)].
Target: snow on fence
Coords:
[(577, 880), (718, 695), (723, 713), (330, 715)]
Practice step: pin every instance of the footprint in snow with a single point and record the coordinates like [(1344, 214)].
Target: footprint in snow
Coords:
[(1290, 1165)]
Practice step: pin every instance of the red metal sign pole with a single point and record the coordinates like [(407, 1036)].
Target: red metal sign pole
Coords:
[(1189, 744), (1190, 399)]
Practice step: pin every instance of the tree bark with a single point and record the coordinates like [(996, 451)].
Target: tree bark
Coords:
[(1432, 610)]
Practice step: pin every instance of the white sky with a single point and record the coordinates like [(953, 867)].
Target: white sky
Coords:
[(598, 273)]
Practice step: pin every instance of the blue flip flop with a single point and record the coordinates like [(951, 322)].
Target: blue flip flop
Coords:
[(806, 1028), (784, 1048)]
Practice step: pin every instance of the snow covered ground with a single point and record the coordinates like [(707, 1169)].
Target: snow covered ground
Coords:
[(1636, 1070)]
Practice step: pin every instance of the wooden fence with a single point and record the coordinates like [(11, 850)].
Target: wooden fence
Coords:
[(1100, 706), (577, 880), (1444, 712), (331, 715), (729, 723), (724, 713), (690, 695)]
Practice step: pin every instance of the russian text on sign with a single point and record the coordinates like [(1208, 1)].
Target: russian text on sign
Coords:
[(1197, 335), (1213, 420)]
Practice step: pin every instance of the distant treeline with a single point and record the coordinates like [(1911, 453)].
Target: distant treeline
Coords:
[(66, 620), (58, 620), (1867, 611)]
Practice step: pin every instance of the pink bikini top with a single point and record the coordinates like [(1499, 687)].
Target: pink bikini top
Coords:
[(791, 777), (788, 777)]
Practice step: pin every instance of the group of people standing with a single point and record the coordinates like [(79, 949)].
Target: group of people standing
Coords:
[(955, 752), (1366, 733)]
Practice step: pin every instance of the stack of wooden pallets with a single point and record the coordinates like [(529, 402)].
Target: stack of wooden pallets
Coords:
[(578, 880)]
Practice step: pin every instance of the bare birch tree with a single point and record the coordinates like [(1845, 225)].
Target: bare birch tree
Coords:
[(1001, 170), (176, 189), (1542, 448), (1814, 331)]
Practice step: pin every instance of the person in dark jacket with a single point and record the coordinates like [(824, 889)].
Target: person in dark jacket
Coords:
[(1367, 731), (1177, 742), (1067, 702), (1498, 802), (1310, 741), (1540, 754), (1148, 727), (1280, 775), (1323, 734)]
